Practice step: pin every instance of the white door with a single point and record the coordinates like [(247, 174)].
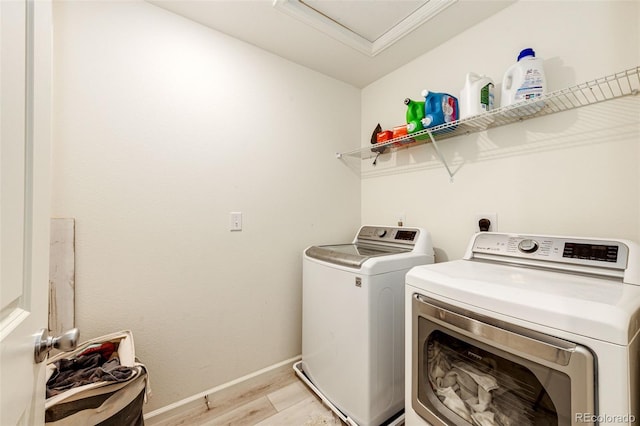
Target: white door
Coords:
[(25, 128)]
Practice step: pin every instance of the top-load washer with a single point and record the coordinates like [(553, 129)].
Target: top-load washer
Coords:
[(353, 321), (525, 330)]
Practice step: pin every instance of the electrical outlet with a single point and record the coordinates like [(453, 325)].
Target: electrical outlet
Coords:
[(401, 219), (493, 218)]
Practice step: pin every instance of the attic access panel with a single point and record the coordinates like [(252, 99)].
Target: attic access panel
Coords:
[(369, 26)]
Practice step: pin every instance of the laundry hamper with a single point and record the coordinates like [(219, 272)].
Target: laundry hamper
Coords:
[(99, 383)]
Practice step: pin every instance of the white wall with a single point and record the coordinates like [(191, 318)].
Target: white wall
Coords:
[(163, 127), (573, 173)]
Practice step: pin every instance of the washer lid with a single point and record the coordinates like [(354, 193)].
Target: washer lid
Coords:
[(351, 255)]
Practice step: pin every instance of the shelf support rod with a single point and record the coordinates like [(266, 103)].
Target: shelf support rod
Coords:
[(440, 156)]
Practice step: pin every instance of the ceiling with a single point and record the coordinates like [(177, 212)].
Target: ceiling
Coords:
[(355, 41)]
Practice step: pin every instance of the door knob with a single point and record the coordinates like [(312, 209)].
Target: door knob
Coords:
[(44, 343)]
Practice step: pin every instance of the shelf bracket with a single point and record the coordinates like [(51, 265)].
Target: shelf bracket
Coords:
[(440, 156)]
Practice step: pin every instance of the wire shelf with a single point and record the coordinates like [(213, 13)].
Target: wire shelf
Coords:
[(603, 89)]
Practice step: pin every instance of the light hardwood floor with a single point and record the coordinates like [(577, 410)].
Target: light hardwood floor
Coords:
[(282, 401)]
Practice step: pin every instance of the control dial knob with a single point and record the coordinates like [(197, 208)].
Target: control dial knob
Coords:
[(528, 246), (381, 232)]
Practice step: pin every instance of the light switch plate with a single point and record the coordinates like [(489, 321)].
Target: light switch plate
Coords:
[(235, 221)]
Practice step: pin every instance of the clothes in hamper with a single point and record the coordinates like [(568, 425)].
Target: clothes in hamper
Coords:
[(85, 369)]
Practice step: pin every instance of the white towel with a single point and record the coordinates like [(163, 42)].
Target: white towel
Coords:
[(453, 402), (449, 380), (468, 385), (487, 382), (486, 418), (481, 403), (438, 363)]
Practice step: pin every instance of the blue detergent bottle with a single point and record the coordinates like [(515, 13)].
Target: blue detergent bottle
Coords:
[(439, 108)]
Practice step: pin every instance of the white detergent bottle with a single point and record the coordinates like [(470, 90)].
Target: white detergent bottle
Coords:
[(476, 97), (524, 80)]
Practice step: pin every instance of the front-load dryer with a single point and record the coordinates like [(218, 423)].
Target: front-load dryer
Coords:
[(525, 330), (353, 321)]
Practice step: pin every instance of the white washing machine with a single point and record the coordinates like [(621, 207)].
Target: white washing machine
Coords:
[(525, 330), (353, 321)]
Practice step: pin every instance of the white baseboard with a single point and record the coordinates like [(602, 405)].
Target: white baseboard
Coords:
[(197, 402)]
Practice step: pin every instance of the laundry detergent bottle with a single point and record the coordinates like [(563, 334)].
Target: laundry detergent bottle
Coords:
[(415, 114), (439, 108), (524, 80), (476, 97)]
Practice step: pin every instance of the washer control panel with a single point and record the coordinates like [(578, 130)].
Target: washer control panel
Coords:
[(388, 234), (577, 251)]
